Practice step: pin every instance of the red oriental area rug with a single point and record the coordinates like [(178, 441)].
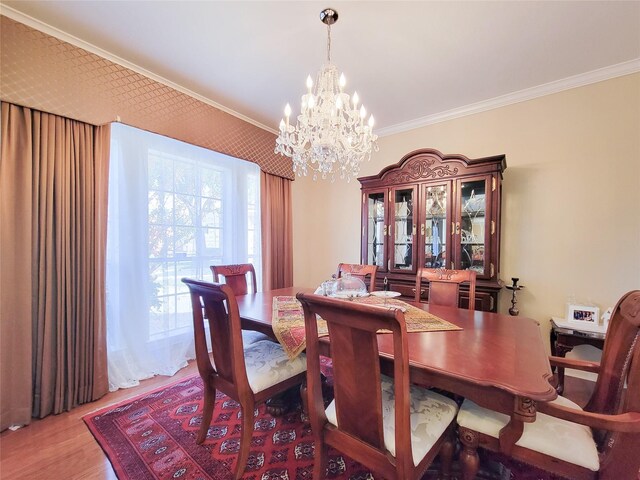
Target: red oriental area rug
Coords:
[(153, 437)]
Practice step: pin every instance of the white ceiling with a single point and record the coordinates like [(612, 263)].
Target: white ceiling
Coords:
[(411, 62)]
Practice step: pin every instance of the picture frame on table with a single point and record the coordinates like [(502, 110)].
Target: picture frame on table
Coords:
[(583, 315)]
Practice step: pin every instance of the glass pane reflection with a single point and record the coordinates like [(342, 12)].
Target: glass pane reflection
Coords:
[(472, 226), (375, 229), (403, 237), (435, 227)]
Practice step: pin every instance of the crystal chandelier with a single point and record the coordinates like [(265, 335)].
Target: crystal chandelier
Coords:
[(331, 136)]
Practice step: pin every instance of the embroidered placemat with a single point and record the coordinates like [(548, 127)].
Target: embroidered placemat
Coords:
[(288, 321)]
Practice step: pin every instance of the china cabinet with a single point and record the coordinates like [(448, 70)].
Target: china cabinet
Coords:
[(434, 210)]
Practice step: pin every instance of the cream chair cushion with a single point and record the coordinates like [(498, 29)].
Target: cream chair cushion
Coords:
[(567, 441), (251, 336), (430, 415), (267, 364)]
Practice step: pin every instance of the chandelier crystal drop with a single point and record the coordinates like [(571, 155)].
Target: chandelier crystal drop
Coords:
[(332, 135)]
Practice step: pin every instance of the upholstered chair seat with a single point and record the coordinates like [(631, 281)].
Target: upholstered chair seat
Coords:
[(430, 415), (251, 336), (267, 364), (558, 438)]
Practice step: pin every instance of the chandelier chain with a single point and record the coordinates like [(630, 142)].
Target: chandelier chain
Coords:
[(329, 43)]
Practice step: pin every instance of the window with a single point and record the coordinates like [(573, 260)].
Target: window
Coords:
[(174, 210)]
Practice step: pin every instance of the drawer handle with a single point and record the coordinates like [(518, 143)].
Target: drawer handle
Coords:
[(422, 290)]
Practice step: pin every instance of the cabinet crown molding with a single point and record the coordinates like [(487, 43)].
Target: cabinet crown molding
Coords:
[(431, 164)]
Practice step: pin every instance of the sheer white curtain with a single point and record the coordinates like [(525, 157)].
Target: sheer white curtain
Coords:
[(174, 210)]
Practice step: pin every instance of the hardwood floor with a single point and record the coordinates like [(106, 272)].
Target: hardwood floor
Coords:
[(61, 446)]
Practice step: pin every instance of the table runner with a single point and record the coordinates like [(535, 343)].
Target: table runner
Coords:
[(288, 321)]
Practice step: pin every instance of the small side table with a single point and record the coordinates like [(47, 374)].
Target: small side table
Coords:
[(563, 340)]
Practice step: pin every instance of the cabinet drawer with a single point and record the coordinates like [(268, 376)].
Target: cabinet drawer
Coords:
[(484, 301)]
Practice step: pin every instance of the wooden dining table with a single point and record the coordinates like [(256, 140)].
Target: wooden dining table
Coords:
[(497, 361)]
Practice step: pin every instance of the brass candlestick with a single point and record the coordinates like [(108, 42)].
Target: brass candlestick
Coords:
[(514, 288)]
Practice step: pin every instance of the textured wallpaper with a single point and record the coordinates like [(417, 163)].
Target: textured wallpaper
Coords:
[(42, 72)]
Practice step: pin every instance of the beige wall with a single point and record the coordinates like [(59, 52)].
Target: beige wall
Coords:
[(571, 196)]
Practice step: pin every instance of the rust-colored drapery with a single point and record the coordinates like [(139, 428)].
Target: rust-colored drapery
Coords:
[(277, 231), (53, 205)]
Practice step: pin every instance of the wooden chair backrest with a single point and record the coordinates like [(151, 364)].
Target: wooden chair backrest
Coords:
[(236, 277), (620, 363), (356, 368), (221, 311), (360, 271), (444, 286)]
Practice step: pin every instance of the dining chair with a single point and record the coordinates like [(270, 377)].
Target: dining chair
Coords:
[(236, 277), (360, 271), (601, 441), (384, 423), (249, 374), (444, 286)]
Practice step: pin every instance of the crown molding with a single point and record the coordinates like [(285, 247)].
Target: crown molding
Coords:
[(599, 75), (18, 16), (606, 73)]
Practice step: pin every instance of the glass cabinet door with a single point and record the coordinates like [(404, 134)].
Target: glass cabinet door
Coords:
[(403, 228), (376, 229), (434, 225), (471, 229)]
